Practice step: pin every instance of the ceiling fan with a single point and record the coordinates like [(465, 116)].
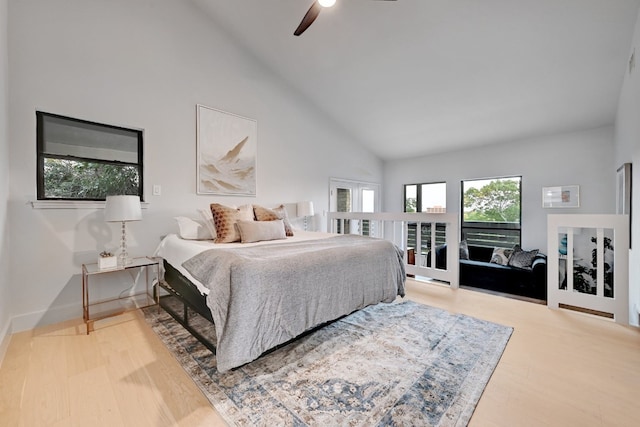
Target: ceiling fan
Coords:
[(313, 13)]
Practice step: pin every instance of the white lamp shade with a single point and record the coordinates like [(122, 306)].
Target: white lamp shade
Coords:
[(122, 208), (305, 209)]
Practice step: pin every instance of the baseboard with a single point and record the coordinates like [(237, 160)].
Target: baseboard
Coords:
[(37, 319), (504, 294)]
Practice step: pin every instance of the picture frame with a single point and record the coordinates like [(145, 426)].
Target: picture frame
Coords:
[(623, 189), (566, 196), (226, 151), (623, 193)]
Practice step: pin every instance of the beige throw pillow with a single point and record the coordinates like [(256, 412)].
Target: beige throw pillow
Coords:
[(264, 214), (225, 219), (257, 231)]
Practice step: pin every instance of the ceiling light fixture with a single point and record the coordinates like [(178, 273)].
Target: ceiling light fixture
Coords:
[(313, 13), (327, 3)]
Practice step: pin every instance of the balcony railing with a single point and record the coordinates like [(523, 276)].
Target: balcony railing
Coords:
[(491, 234), (401, 229)]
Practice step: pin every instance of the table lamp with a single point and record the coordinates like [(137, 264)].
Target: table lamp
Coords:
[(123, 209), (305, 209)]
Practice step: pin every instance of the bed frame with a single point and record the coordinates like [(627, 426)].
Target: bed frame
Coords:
[(187, 305)]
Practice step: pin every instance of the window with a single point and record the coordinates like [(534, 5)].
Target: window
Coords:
[(430, 198), (82, 160), (491, 211)]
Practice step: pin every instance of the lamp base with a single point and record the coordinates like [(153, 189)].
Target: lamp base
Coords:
[(123, 258)]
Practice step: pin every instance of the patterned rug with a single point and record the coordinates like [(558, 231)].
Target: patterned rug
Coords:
[(388, 364)]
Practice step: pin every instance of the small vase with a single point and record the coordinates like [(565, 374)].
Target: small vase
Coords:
[(563, 246)]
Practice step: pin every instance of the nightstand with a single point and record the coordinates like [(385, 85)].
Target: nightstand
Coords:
[(97, 310)]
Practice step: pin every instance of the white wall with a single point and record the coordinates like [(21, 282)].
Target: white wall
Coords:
[(627, 140), (146, 64), (4, 182), (583, 158)]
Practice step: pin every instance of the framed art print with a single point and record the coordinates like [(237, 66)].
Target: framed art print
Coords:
[(567, 196), (226, 153)]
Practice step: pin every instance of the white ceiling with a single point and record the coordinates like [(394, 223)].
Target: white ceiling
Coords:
[(414, 77)]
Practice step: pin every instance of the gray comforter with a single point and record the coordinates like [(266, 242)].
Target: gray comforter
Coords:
[(263, 296)]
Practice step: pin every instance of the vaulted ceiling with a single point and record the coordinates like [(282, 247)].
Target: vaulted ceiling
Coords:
[(413, 77)]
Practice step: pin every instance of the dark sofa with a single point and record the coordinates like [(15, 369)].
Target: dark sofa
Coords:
[(479, 272)]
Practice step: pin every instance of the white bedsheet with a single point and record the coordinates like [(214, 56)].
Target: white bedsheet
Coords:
[(176, 250)]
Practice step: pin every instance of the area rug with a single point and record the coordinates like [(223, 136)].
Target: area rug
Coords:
[(390, 364)]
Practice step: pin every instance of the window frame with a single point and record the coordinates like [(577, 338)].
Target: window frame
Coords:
[(41, 156), (491, 225), (419, 194)]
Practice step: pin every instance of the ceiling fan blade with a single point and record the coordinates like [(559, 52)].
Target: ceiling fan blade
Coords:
[(308, 19)]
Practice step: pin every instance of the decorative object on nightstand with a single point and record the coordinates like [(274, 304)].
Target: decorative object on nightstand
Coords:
[(305, 209), (123, 209), (107, 261)]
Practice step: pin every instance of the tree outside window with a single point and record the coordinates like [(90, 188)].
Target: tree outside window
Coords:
[(492, 211), (72, 179)]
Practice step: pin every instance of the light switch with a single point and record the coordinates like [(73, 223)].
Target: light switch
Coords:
[(157, 190)]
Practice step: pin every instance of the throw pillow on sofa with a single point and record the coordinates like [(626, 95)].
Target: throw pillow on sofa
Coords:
[(501, 256), (522, 259)]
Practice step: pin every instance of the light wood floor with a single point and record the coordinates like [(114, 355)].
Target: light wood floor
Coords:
[(559, 369)]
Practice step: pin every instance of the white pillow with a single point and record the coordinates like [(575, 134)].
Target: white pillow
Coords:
[(257, 231), (207, 218), (192, 229)]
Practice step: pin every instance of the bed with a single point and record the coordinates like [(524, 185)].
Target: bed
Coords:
[(261, 295)]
